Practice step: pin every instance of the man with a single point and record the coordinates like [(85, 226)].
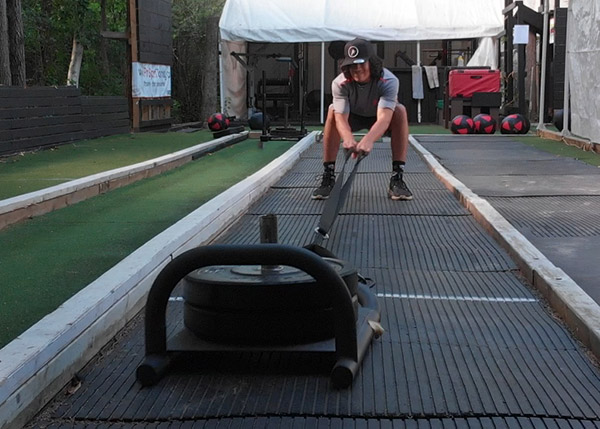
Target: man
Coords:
[(365, 96)]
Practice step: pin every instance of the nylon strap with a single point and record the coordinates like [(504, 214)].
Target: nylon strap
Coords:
[(336, 198)]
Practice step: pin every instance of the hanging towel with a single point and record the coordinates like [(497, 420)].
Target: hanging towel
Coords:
[(432, 76), (417, 82)]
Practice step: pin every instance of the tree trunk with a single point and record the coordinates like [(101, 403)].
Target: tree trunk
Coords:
[(103, 42), (75, 64), (16, 42), (5, 77), (209, 69)]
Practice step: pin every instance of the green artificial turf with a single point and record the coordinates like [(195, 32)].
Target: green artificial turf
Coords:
[(32, 171), (47, 259), (428, 129), (559, 148)]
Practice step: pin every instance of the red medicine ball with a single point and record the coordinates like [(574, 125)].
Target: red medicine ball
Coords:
[(514, 124), (462, 124), (217, 122), (484, 124)]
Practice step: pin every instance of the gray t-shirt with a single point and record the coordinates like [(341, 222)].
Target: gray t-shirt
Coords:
[(364, 99)]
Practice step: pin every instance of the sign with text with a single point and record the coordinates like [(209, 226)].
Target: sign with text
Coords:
[(150, 80)]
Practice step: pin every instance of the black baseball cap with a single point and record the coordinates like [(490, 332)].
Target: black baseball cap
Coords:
[(357, 51)]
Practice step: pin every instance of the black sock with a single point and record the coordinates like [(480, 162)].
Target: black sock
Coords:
[(329, 166), (398, 167)]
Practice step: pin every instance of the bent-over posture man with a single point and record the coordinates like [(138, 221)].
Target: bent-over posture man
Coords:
[(365, 96)]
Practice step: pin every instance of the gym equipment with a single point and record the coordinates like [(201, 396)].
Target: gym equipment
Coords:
[(265, 297), (464, 82), (462, 124), (280, 133), (557, 119), (515, 124), (336, 199), (484, 124), (258, 120), (217, 122)]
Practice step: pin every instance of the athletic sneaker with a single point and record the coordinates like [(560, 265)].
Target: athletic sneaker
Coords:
[(398, 189), (327, 182)]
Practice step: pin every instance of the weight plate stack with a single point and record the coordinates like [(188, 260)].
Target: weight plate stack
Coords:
[(254, 304)]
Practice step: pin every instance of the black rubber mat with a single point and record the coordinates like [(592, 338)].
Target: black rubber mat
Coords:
[(367, 196), (371, 164), (466, 344), (454, 243), (519, 167), (260, 422), (554, 216), (524, 184), (415, 181)]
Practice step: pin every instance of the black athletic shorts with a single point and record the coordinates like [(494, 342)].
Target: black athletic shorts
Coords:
[(358, 122)]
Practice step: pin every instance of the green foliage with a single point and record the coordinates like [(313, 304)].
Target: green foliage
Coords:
[(190, 19), (50, 26)]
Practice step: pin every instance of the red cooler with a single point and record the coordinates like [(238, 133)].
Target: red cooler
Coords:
[(463, 83)]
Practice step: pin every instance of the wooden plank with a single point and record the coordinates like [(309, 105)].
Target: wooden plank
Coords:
[(39, 102), (104, 100), (24, 112), (156, 102), (36, 122), (41, 91), (156, 123), (115, 35), (104, 118), (91, 110)]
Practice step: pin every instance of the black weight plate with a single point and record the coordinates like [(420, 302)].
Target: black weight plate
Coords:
[(261, 328), (249, 287)]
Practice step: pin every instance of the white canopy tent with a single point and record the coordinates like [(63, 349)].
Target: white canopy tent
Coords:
[(582, 80), (277, 21)]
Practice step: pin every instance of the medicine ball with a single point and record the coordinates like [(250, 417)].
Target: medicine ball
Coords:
[(484, 124), (515, 124), (217, 122), (462, 124), (557, 119), (256, 121)]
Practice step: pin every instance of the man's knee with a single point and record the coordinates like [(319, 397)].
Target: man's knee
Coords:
[(400, 113)]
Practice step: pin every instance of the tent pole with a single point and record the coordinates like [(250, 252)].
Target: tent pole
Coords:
[(566, 131), (322, 81), (221, 85), (542, 107), (419, 64)]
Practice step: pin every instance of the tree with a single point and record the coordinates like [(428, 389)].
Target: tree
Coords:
[(195, 66), (5, 76), (16, 41)]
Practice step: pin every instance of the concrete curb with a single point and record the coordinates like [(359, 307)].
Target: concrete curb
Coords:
[(36, 203), (575, 307), (36, 365)]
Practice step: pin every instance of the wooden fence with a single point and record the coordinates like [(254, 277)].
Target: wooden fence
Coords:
[(37, 117)]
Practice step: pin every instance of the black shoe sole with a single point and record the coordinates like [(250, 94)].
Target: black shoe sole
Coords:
[(319, 197)]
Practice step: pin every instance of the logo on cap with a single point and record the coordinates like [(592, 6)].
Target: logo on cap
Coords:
[(352, 52)]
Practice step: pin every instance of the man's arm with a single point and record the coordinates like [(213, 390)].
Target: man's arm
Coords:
[(384, 117), (343, 127)]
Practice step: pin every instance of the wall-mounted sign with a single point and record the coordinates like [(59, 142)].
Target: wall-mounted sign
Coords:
[(520, 34), (150, 80)]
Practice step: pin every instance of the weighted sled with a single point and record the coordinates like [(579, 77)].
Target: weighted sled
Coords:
[(265, 327), (246, 287)]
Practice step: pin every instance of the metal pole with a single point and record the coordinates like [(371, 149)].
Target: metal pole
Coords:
[(542, 106), (322, 82), (566, 123), (419, 64)]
